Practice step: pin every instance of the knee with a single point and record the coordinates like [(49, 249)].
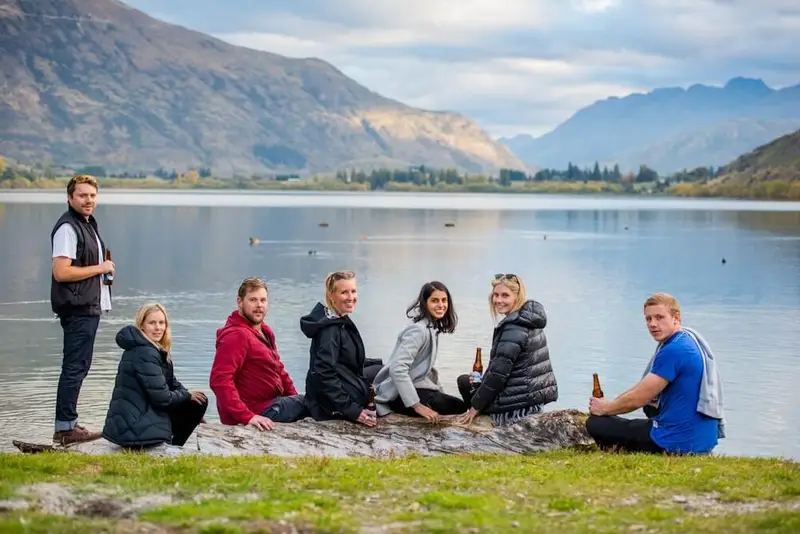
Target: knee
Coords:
[(594, 425), (463, 382)]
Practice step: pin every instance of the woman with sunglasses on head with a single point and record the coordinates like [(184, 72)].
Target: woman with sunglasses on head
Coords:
[(519, 379), (336, 387), (409, 383)]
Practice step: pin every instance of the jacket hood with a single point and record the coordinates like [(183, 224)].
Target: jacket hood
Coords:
[(317, 319), (531, 315), (130, 337)]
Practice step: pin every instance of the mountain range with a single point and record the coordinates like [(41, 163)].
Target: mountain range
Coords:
[(668, 129), (98, 82)]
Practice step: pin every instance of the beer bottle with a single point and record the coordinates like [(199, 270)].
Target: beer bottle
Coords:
[(596, 390), (108, 278), (477, 369), (371, 401)]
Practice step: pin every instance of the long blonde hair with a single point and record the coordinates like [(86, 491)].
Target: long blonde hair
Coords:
[(330, 286), (512, 282), (141, 316)]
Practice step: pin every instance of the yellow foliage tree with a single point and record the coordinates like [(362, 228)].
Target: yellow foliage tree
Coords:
[(191, 177)]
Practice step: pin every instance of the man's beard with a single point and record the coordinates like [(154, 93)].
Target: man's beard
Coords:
[(250, 318)]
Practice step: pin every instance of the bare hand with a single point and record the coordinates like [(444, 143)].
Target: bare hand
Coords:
[(467, 417), (368, 418), (198, 397), (107, 267), (261, 423), (431, 415), (599, 406)]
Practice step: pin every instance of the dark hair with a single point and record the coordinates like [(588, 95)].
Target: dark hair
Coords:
[(447, 323)]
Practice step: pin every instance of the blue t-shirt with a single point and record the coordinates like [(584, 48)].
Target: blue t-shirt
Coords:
[(679, 427)]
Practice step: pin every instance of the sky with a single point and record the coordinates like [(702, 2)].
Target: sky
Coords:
[(513, 66)]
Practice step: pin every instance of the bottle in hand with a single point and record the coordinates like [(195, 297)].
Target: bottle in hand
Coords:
[(596, 389), (108, 278), (371, 401), (476, 377)]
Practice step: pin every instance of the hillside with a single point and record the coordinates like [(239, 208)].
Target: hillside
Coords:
[(668, 129), (778, 160), (771, 171), (97, 82)]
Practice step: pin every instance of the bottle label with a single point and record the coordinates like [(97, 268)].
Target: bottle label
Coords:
[(476, 377)]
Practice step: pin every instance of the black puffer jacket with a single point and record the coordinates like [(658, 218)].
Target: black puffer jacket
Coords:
[(145, 388), (335, 383), (519, 373)]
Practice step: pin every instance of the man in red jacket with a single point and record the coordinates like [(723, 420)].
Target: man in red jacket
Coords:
[(248, 378)]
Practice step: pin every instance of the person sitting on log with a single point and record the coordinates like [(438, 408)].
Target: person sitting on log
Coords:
[(519, 379), (409, 383), (149, 406), (247, 376), (680, 392), (336, 385)]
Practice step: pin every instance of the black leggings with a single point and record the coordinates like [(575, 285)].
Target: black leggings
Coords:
[(614, 432), (440, 402), (465, 388), (184, 418)]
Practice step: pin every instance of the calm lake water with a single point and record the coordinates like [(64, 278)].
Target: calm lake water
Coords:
[(600, 259)]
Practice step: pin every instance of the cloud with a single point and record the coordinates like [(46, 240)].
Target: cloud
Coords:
[(522, 67)]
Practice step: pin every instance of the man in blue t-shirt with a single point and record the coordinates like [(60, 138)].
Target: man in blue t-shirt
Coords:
[(675, 378)]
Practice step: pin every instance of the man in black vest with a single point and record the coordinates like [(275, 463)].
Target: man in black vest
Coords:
[(78, 296)]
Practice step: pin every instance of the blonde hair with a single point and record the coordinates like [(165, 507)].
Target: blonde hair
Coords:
[(512, 282), (251, 284), (141, 316), (667, 300), (80, 179), (330, 286)]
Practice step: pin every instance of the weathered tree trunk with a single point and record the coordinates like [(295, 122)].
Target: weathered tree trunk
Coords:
[(393, 435)]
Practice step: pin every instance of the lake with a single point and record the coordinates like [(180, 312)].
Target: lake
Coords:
[(590, 260)]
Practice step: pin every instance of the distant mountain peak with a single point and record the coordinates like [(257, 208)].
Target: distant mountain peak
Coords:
[(668, 128), (750, 85), (98, 82)]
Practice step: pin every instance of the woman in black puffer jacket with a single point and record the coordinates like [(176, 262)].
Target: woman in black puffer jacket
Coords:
[(519, 379), (149, 406)]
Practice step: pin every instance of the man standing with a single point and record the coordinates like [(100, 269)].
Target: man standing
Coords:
[(248, 378), (682, 378), (77, 297)]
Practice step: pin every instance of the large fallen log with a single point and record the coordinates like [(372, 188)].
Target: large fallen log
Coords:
[(395, 435)]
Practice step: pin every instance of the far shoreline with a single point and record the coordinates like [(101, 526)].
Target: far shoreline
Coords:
[(436, 200)]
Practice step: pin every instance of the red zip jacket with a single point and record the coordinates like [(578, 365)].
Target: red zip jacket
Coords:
[(247, 373)]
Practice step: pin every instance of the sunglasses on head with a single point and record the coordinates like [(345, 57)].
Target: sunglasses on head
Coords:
[(507, 276)]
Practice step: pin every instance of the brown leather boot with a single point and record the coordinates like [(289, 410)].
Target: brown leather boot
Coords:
[(78, 434)]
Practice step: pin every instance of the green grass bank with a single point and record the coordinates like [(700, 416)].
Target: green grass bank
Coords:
[(562, 491)]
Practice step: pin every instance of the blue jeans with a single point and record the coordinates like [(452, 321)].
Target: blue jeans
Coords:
[(79, 335), (286, 409)]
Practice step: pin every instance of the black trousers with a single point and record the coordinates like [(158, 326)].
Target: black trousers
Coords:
[(440, 402), (287, 409), (371, 371), (614, 432), (465, 388), (79, 336), (184, 418)]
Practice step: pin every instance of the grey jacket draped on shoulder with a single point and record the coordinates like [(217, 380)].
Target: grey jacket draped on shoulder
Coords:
[(410, 367)]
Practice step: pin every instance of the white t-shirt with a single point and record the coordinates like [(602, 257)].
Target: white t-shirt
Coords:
[(65, 244)]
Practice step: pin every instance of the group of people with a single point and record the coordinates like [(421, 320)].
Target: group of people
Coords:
[(680, 390)]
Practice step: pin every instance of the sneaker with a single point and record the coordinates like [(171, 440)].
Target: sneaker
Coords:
[(78, 434)]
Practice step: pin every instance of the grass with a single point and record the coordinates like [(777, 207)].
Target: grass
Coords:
[(558, 491)]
